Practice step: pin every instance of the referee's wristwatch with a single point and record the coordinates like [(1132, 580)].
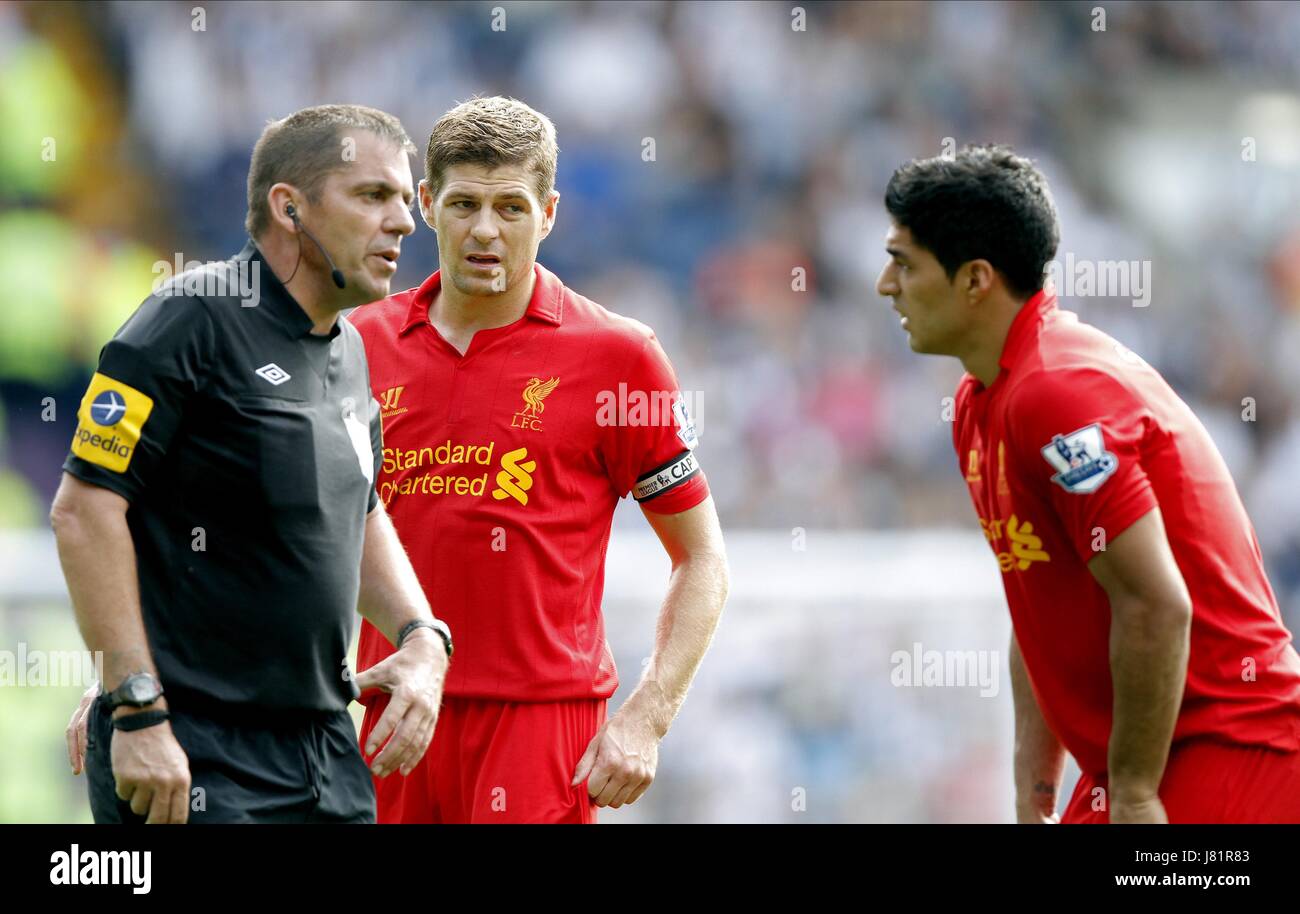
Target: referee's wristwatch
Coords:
[(437, 625), (139, 690)]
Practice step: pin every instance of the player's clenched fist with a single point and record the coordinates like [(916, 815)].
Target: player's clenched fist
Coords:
[(619, 764), (152, 773)]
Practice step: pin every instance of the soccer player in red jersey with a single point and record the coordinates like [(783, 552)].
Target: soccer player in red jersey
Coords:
[(1146, 639), (516, 413)]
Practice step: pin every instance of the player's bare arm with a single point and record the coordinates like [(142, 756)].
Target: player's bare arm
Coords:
[(1039, 756), (1151, 614), (99, 563), (391, 597), (622, 757)]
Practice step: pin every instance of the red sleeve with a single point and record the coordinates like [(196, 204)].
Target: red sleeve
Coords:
[(959, 402), (649, 447), (1078, 438)]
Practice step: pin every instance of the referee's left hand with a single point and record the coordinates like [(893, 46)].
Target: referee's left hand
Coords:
[(619, 764), (413, 676)]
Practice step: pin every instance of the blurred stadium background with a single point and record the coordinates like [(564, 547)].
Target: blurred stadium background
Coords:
[(1172, 137)]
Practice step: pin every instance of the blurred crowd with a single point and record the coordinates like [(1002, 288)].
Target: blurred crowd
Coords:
[(748, 233), (721, 169)]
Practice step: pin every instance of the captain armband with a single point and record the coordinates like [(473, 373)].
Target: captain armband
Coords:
[(672, 474)]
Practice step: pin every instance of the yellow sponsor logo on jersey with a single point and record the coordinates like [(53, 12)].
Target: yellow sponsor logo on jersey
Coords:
[(388, 401), (109, 423), (422, 471), (1003, 487), (448, 453), (515, 478), (535, 391), (1025, 546)]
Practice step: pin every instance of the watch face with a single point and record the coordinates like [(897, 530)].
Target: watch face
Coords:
[(142, 690)]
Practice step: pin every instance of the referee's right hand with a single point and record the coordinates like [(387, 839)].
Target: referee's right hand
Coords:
[(152, 773)]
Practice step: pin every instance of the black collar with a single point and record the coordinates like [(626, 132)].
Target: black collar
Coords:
[(276, 298)]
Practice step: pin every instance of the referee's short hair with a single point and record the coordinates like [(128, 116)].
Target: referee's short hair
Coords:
[(305, 147), (491, 132), (985, 203)]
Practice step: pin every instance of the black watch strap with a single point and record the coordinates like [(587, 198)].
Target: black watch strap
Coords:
[(129, 722), (138, 690), (437, 626)]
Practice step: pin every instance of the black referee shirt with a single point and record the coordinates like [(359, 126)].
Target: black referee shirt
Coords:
[(248, 449)]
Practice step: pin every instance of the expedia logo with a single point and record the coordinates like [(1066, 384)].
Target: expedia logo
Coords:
[(114, 445), (515, 478), (110, 404), (108, 408)]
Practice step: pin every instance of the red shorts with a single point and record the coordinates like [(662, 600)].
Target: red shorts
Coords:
[(494, 761), (1210, 782)]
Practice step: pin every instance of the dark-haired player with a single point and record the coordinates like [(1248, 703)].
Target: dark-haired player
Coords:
[(1146, 638)]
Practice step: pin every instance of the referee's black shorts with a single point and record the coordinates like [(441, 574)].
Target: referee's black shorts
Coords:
[(282, 768)]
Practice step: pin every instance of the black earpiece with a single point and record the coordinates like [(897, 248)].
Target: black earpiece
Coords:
[(335, 274)]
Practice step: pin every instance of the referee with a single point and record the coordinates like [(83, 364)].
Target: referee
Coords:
[(218, 524)]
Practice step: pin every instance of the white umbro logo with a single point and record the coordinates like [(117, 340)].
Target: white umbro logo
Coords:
[(273, 373)]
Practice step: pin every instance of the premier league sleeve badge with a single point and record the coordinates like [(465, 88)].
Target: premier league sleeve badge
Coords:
[(1080, 459)]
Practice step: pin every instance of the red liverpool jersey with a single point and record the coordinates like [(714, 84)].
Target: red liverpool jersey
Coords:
[(501, 471), (1075, 440)]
